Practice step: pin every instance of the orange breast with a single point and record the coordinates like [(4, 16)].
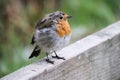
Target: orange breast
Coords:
[(63, 28)]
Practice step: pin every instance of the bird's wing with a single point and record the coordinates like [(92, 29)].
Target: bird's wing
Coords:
[(40, 25)]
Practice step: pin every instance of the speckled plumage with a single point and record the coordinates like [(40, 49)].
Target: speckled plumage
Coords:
[(51, 34)]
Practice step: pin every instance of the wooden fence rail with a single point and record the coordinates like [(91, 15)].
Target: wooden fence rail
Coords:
[(96, 57)]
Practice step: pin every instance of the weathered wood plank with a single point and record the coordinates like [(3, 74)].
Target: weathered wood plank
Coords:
[(96, 57)]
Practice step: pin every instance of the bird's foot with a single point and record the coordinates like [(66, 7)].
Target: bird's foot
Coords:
[(58, 57), (49, 61)]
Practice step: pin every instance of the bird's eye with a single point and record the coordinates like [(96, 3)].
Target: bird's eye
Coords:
[(61, 17)]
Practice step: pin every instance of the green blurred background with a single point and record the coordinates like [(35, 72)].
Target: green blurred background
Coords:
[(18, 19)]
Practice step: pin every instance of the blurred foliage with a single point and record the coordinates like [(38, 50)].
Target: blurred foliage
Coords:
[(18, 18), (93, 13)]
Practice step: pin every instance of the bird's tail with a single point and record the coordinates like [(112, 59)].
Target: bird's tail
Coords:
[(35, 52)]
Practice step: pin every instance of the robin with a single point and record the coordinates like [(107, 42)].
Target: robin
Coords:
[(51, 34)]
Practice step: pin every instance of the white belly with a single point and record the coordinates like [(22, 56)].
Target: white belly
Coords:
[(48, 40)]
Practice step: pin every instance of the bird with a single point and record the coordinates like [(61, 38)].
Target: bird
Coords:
[(51, 34)]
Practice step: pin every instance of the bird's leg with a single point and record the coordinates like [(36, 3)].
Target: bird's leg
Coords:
[(48, 60), (58, 57)]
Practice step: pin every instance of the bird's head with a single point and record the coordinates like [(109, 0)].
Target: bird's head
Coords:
[(58, 16)]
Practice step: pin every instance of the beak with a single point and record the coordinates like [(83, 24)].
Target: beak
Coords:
[(69, 17)]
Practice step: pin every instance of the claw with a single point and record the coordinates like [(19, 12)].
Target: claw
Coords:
[(58, 57), (49, 61)]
